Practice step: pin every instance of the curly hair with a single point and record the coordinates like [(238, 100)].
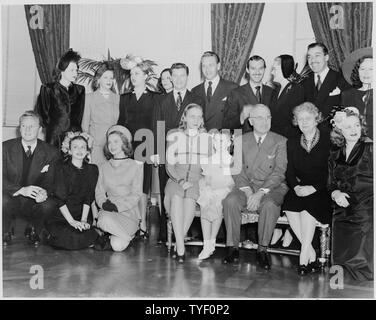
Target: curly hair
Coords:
[(67, 156), (126, 146), (308, 107), (99, 73), (355, 72), (183, 121), (64, 61), (336, 135)]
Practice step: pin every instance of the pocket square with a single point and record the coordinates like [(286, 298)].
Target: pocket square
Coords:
[(224, 99), (335, 92), (271, 156), (45, 168)]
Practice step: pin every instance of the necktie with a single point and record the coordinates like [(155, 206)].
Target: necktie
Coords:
[(259, 141), (258, 94), (209, 92), (28, 152), (179, 101), (318, 84)]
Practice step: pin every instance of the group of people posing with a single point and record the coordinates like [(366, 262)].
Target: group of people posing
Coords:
[(305, 151)]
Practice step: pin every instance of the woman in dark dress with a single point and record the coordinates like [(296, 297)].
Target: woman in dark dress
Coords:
[(287, 95), (69, 226), (136, 112), (351, 187), (61, 103), (358, 71), (308, 200)]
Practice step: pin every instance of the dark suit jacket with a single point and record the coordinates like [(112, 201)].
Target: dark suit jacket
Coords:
[(264, 166), (165, 110), (44, 154), (237, 99), (214, 109), (323, 100)]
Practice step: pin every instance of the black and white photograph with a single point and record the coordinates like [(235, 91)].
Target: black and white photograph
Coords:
[(187, 150)]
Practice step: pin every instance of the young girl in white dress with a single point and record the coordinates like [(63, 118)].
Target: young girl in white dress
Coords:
[(214, 187)]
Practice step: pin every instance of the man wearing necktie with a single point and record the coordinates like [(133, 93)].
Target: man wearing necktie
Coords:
[(28, 176), (260, 187), (167, 116), (214, 90), (324, 86), (253, 92)]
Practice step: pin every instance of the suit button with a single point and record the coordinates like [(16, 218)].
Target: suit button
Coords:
[(246, 167)]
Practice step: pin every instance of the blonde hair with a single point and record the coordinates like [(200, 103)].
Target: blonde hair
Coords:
[(308, 107), (183, 121)]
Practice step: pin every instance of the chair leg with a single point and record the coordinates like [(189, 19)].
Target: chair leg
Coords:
[(169, 235), (327, 245), (323, 243)]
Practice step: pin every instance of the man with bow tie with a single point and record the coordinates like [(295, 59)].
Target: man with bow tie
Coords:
[(28, 177), (260, 187)]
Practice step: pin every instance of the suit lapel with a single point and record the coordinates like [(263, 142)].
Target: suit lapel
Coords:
[(266, 95), (36, 163), (248, 92), (263, 149), (17, 158), (325, 87), (212, 107)]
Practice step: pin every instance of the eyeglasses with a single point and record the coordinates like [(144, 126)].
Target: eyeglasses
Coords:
[(259, 118)]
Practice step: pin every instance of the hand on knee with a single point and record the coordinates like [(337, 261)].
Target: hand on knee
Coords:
[(118, 244)]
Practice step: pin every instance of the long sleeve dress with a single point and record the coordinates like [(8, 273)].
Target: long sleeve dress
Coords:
[(353, 225), (183, 157), (61, 110), (74, 187), (99, 115), (308, 169), (138, 114), (120, 181)]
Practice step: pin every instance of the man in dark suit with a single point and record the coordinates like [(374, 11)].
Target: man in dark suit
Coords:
[(214, 90), (324, 86), (28, 177), (259, 187), (254, 92), (168, 112)]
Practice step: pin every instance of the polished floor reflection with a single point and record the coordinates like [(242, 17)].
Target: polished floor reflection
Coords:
[(146, 270)]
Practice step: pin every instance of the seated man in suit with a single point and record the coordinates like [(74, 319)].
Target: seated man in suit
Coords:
[(324, 86), (259, 187), (168, 110), (28, 176), (214, 90), (251, 93)]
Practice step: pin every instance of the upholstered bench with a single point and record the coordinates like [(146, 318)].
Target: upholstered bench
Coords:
[(251, 217)]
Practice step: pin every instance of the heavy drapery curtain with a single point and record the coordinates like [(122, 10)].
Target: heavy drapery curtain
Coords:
[(234, 29), (49, 37), (342, 29)]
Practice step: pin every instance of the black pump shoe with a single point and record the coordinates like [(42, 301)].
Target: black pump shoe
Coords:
[(180, 259), (303, 270)]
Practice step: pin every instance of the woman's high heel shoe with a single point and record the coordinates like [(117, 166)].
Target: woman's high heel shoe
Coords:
[(180, 259), (303, 270), (142, 234)]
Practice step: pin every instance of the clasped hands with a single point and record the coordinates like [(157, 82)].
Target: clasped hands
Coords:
[(253, 199), (109, 206), (340, 198), (79, 225), (34, 192), (304, 191)]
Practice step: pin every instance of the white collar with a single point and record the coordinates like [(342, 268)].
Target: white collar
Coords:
[(253, 86), (262, 137), (182, 93), (214, 81), (322, 74), (25, 145)]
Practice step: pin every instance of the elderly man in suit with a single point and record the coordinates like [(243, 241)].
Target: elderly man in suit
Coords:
[(169, 109), (254, 92), (214, 90), (260, 186), (28, 177), (324, 86)]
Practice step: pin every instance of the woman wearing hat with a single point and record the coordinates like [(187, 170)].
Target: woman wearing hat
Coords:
[(357, 70), (119, 190), (61, 103), (288, 95)]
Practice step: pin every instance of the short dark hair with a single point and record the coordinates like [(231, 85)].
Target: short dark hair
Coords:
[(255, 58), (33, 114), (211, 54), (67, 58), (126, 146), (318, 44), (180, 65), (79, 137), (98, 74)]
